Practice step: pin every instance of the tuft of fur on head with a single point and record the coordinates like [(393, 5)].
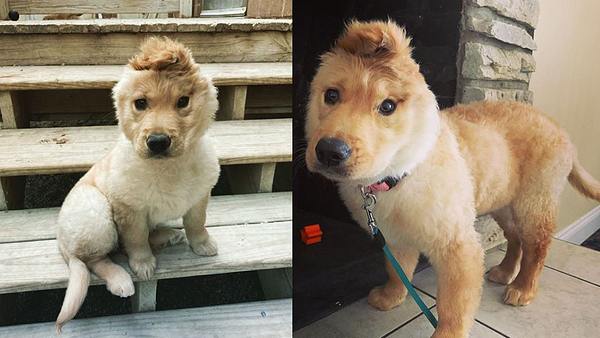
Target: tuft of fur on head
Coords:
[(375, 39), (371, 62), (161, 73), (163, 54)]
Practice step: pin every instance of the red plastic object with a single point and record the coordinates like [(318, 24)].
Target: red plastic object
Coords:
[(311, 234)]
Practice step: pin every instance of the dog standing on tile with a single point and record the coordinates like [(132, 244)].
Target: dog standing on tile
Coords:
[(373, 122), (162, 167)]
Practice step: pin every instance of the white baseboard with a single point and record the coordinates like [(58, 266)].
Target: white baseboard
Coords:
[(581, 229)]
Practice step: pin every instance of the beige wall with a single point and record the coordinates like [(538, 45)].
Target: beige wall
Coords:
[(566, 84)]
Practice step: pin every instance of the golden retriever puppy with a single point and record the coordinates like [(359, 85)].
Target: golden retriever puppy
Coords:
[(162, 167), (373, 122)]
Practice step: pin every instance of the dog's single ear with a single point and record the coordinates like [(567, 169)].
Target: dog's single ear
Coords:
[(374, 39), (162, 54)]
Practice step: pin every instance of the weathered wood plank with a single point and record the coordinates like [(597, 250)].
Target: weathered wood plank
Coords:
[(40, 224), (258, 319), (76, 149), (99, 77), (172, 25), (117, 48), (89, 6), (38, 265)]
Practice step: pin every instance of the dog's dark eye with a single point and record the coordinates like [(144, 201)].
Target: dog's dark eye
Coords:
[(183, 101), (332, 96), (387, 107), (141, 104)]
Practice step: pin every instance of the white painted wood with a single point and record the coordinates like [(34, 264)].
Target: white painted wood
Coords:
[(144, 299), (40, 224), (76, 149), (38, 265), (231, 12), (97, 77), (95, 6), (257, 319), (581, 229)]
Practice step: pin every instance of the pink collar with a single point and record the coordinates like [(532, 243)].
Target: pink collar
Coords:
[(385, 184)]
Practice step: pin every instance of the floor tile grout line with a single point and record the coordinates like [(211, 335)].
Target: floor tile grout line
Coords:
[(406, 323), (425, 292), (570, 275), (491, 328)]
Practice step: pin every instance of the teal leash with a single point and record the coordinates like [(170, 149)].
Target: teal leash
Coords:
[(369, 203)]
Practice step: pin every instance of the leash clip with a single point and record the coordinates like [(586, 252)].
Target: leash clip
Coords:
[(369, 201)]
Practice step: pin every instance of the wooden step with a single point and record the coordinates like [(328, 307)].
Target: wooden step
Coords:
[(38, 265), (97, 77), (60, 150), (257, 319), (40, 224), (114, 41)]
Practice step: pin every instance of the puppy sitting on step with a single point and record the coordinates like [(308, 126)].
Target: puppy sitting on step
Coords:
[(373, 122), (163, 167)]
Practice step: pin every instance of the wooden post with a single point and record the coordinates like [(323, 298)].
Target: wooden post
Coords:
[(4, 9), (197, 9), (144, 298), (13, 115), (251, 178), (12, 188), (186, 8), (232, 101), (269, 8)]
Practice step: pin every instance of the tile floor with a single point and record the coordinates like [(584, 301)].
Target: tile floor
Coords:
[(567, 305)]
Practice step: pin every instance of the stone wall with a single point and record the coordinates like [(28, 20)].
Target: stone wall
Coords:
[(495, 62), (495, 59)]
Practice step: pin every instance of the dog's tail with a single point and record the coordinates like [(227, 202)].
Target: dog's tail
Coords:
[(79, 280), (583, 181)]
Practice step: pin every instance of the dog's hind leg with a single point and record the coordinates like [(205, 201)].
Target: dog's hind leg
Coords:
[(164, 236), (506, 271), (536, 221), (393, 293), (118, 281)]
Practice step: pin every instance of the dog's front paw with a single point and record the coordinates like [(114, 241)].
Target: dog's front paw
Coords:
[(518, 296), (208, 247), (121, 285), (143, 267), (383, 299)]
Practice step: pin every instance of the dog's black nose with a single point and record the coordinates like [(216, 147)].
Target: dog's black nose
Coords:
[(332, 151), (158, 143)]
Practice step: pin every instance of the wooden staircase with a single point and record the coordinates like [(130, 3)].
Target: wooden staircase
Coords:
[(63, 70)]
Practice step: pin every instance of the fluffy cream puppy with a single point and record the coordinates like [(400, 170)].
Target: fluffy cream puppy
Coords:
[(163, 167), (372, 120)]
